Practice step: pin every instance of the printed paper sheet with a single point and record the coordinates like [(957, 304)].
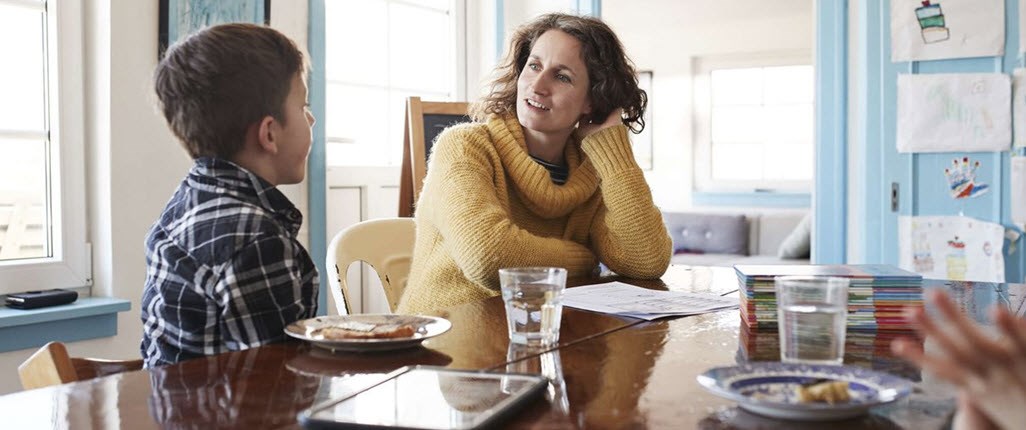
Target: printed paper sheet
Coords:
[(636, 302), (1022, 25), (952, 247), (1017, 188), (1019, 106), (968, 112), (939, 29)]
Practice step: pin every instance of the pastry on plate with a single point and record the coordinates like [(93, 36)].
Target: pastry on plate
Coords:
[(824, 390), (358, 330)]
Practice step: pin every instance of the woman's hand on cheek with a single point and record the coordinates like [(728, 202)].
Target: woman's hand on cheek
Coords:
[(585, 129)]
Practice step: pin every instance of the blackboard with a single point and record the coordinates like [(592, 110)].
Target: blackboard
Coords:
[(424, 122), (434, 124)]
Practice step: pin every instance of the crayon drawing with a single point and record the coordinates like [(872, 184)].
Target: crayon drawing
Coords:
[(1022, 24), (939, 29), (951, 247), (1019, 106), (968, 112), (931, 23), (961, 178)]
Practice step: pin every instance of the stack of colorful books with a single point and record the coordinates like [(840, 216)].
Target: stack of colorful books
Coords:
[(877, 293)]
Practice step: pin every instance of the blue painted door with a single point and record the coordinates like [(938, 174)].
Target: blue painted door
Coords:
[(918, 179)]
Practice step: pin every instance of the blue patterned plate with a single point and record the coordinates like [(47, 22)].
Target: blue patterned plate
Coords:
[(769, 388)]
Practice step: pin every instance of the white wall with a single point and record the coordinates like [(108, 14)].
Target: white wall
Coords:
[(480, 41), (665, 35), (133, 161)]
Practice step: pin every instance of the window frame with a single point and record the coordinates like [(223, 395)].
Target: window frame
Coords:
[(458, 11), (69, 265), (702, 68)]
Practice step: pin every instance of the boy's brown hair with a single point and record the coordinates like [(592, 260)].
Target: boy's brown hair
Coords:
[(613, 80), (217, 82)]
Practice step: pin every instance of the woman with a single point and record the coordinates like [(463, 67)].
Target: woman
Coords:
[(546, 177)]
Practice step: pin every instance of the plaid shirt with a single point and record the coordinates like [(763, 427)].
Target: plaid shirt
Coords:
[(224, 268)]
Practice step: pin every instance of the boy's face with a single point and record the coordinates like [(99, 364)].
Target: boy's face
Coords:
[(297, 134)]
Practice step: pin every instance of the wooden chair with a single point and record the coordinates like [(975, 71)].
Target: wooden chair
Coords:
[(386, 244), (51, 365), (424, 121)]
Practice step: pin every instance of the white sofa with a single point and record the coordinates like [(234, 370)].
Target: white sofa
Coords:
[(729, 238)]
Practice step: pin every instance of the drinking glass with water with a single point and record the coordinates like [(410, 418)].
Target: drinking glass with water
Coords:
[(812, 313), (534, 303)]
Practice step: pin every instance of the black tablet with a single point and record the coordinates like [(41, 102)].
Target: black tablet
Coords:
[(427, 397)]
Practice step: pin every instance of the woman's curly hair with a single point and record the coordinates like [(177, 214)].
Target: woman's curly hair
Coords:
[(612, 77)]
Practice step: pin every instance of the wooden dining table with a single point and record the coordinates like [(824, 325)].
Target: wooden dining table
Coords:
[(605, 372)]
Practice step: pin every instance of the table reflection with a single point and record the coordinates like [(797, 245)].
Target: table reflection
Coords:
[(526, 359), (318, 362), (222, 393), (736, 418)]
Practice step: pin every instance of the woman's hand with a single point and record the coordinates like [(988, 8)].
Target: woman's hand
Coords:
[(989, 372), (587, 129)]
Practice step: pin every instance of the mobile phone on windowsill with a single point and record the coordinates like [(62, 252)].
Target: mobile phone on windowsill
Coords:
[(40, 299)]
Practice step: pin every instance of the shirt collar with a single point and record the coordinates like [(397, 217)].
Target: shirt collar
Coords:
[(221, 176)]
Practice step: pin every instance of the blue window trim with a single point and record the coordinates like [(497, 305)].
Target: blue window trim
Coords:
[(86, 318), (756, 199), (830, 230), (589, 7), (317, 180)]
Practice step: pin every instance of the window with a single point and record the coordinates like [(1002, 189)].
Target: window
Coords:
[(42, 204), (378, 53), (643, 145), (754, 123)]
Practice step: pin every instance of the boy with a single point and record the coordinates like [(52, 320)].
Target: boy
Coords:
[(225, 271)]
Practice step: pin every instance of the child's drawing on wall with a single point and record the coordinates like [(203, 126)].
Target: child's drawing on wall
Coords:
[(951, 247), (931, 23), (956, 261), (954, 112), (922, 257), (961, 178), (924, 30)]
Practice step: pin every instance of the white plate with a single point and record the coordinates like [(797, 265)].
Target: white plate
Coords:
[(768, 388), (426, 328)]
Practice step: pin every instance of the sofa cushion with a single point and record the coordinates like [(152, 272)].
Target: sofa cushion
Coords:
[(774, 227), (798, 243), (728, 260), (708, 233)]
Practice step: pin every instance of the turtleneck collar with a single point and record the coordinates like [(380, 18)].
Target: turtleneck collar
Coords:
[(532, 181)]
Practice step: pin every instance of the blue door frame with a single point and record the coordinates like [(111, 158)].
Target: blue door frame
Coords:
[(830, 195)]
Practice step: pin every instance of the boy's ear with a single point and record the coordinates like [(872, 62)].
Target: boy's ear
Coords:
[(267, 134)]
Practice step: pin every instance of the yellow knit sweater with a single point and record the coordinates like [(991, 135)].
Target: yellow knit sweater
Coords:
[(486, 204)]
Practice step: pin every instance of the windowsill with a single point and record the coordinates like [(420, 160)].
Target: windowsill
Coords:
[(86, 318), (758, 199)]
